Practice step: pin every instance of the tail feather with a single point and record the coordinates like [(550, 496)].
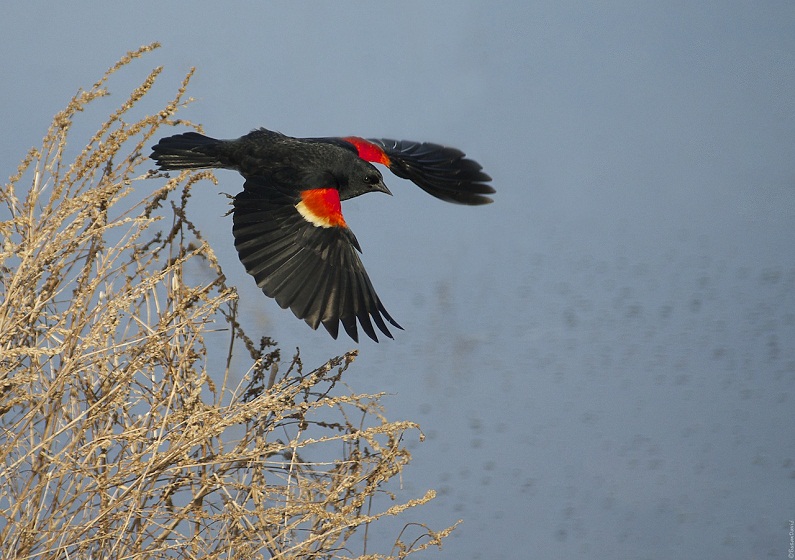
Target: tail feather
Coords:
[(190, 150)]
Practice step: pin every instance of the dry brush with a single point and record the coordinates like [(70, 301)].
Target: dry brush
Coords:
[(127, 428)]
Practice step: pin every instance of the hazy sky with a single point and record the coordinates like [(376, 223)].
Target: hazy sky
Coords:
[(603, 359)]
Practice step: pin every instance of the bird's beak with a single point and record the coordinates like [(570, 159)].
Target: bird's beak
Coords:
[(381, 187)]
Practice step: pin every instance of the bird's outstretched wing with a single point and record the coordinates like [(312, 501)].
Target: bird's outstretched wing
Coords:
[(301, 253), (441, 171)]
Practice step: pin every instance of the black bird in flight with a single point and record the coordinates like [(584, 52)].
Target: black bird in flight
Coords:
[(288, 225)]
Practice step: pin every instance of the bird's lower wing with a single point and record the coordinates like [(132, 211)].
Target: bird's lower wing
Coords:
[(308, 265)]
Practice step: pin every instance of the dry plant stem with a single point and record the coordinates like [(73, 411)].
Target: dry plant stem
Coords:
[(116, 324)]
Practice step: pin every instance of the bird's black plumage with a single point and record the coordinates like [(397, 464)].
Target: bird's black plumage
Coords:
[(288, 226)]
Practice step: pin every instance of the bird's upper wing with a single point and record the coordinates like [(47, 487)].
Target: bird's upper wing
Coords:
[(301, 253), (444, 172)]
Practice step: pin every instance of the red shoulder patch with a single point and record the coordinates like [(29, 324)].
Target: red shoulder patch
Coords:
[(368, 151), (321, 207)]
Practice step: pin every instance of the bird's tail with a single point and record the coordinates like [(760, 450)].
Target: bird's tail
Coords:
[(190, 150)]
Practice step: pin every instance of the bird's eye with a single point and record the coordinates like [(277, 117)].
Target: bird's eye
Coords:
[(371, 179)]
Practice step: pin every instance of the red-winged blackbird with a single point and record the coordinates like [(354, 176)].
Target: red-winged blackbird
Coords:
[(288, 225)]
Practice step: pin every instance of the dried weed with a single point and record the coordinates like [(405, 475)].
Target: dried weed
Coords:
[(120, 435)]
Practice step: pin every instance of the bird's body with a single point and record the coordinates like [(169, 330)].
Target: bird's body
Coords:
[(288, 225)]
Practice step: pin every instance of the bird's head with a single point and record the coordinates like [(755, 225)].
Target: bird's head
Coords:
[(360, 177)]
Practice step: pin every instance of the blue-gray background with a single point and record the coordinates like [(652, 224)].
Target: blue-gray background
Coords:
[(603, 360)]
